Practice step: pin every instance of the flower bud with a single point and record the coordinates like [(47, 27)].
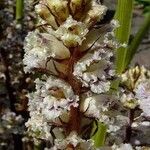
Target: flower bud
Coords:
[(59, 9), (132, 77), (76, 8), (95, 14), (45, 14), (75, 4), (79, 8)]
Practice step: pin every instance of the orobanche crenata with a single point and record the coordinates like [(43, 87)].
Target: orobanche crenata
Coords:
[(73, 55)]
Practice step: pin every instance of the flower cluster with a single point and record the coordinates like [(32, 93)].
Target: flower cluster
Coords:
[(74, 61), (136, 82), (52, 98), (134, 97)]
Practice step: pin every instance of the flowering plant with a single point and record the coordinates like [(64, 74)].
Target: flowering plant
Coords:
[(74, 58)]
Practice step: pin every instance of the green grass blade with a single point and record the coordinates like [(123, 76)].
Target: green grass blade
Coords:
[(124, 16), (137, 39), (19, 9)]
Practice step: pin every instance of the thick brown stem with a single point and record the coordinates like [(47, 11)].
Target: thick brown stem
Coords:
[(74, 119)]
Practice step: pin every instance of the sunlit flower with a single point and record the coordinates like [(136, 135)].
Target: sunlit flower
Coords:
[(41, 46), (95, 106), (52, 98), (93, 70), (72, 33)]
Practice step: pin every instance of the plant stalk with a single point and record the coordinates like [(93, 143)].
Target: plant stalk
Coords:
[(124, 16)]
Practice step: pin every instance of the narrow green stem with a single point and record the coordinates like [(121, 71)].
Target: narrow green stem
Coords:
[(19, 10), (137, 39), (124, 16)]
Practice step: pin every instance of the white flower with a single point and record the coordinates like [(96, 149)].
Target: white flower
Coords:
[(53, 108), (52, 98), (143, 94), (74, 141), (95, 106), (115, 23), (34, 100), (38, 127), (104, 108), (94, 70), (100, 87), (41, 46), (72, 32)]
